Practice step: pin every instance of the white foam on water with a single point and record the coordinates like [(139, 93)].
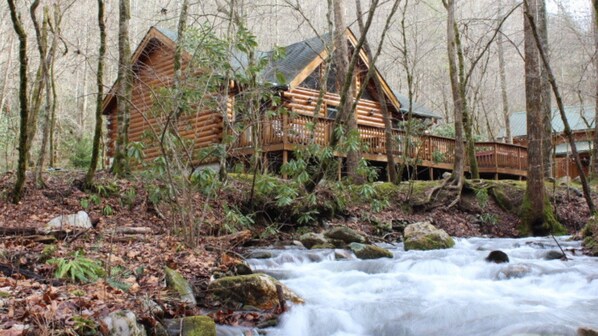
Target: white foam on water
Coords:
[(443, 292)]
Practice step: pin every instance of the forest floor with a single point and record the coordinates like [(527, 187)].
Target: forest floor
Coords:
[(31, 298)]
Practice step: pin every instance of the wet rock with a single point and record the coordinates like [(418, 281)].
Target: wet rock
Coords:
[(152, 307), (79, 220), (340, 254), (497, 257), (258, 290), (178, 284), (345, 234), (553, 255), (425, 236), (583, 331), (590, 237), (446, 175), (310, 239), (323, 246), (123, 323), (191, 326), (513, 272), (260, 255), (363, 251)]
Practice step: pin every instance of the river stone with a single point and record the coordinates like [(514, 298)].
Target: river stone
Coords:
[(497, 257), (123, 323), (191, 326), (513, 272), (177, 283), (326, 246), (79, 220), (310, 239), (553, 255), (257, 290), (590, 237), (345, 234), (424, 236), (583, 331), (363, 251)]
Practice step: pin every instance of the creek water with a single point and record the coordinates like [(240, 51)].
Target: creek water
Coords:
[(441, 292)]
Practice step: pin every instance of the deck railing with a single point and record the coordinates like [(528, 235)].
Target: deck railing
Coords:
[(429, 149)]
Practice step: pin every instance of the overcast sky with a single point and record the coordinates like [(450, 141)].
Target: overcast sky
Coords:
[(579, 7)]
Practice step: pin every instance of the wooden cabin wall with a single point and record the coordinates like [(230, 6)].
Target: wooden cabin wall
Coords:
[(303, 101), (149, 116)]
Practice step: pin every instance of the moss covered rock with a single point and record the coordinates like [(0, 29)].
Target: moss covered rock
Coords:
[(257, 290), (191, 326), (425, 236), (590, 237), (345, 234), (363, 251), (178, 284), (311, 239)]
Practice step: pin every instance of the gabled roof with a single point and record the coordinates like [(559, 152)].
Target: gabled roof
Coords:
[(579, 117), (299, 61)]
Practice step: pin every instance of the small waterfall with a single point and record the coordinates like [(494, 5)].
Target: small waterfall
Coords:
[(442, 292)]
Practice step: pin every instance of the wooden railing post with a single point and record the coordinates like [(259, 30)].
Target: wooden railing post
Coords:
[(496, 156), (285, 129)]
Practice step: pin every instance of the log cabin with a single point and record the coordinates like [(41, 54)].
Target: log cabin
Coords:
[(296, 78), (581, 121)]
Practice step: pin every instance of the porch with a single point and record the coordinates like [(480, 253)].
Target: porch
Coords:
[(286, 134)]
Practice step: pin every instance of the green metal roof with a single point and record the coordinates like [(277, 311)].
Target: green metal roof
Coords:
[(579, 117), (564, 148)]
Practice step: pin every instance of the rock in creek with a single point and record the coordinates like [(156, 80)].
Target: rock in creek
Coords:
[(553, 255), (256, 290), (311, 239), (587, 332), (497, 257), (191, 326), (425, 236), (513, 272), (363, 251), (345, 234), (178, 284), (123, 323)]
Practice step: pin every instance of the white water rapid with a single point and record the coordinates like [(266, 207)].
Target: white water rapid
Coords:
[(442, 292)]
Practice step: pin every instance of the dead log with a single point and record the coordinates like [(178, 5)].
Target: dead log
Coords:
[(135, 230), (9, 271)]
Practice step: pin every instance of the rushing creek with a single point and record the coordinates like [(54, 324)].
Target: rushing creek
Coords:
[(441, 292)]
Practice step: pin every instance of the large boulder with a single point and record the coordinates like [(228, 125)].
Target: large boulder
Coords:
[(191, 326), (256, 290), (497, 257), (178, 284), (123, 323), (554, 255), (366, 251), (345, 234), (425, 236), (590, 237), (79, 220), (311, 239)]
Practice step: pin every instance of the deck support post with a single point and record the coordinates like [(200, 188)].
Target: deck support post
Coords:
[(340, 168), (431, 174), (285, 160)]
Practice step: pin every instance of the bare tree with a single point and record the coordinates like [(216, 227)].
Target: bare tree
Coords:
[(97, 135), (120, 166), (541, 52), (503, 80), (24, 114), (594, 168)]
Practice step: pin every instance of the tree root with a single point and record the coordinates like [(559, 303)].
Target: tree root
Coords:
[(451, 187)]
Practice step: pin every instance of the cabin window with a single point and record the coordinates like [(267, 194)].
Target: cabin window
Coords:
[(331, 111)]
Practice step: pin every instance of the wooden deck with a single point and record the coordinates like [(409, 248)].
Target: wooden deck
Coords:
[(289, 133)]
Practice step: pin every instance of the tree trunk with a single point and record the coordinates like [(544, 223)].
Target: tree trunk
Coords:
[(17, 192), (534, 204), (561, 107), (542, 30), (97, 134), (594, 169), (389, 140), (503, 81), (345, 112), (120, 166), (458, 102)]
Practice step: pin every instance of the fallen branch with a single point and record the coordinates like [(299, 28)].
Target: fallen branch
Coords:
[(135, 230), (9, 271)]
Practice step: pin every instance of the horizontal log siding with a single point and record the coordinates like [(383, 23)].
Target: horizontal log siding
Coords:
[(150, 109), (303, 101)]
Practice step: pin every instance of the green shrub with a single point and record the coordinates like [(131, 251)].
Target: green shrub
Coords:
[(77, 268), (81, 153)]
